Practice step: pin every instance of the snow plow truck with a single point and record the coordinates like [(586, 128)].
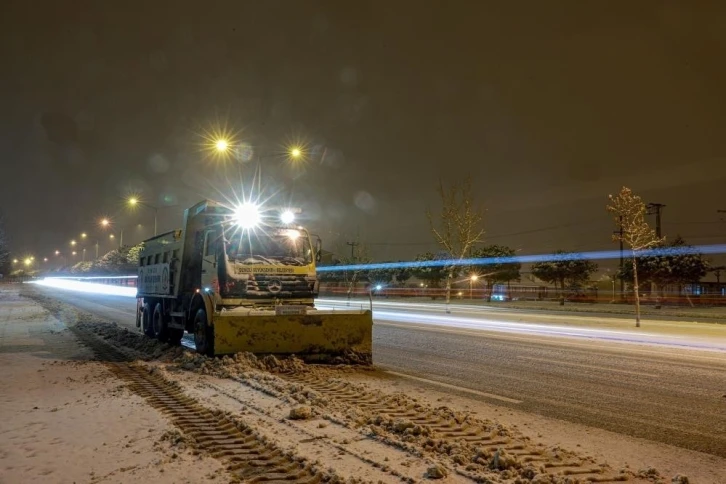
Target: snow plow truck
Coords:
[(238, 283)]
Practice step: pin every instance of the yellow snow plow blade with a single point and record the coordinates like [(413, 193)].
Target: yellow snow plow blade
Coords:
[(318, 334)]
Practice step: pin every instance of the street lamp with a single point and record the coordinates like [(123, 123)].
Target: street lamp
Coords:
[(105, 223), (472, 280), (221, 145), (84, 236), (133, 201)]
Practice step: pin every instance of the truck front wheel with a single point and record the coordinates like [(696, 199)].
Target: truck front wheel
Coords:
[(203, 333)]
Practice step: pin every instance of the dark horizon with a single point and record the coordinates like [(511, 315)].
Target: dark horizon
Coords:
[(550, 108)]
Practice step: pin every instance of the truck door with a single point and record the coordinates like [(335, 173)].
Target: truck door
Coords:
[(210, 281)]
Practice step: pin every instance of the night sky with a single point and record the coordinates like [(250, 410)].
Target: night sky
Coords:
[(549, 106)]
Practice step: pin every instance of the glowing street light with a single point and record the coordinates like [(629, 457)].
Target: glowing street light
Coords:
[(73, 243), (15, 261), (106, 223), (45, 259), (472, 280), (84, 235), (74, 253), (57, 252), (27, 261), (133, 201), (295, 153), (221, 145)]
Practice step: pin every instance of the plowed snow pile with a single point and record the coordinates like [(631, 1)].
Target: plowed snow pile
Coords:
[(272, 375)]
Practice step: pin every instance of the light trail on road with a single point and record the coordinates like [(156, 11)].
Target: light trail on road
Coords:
[(481, 318), (486, 319), (87, 287)]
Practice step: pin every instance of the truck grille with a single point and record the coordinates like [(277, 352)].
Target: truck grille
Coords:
[(279, 286)]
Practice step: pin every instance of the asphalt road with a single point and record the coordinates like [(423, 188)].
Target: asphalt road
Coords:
[(664, 382)]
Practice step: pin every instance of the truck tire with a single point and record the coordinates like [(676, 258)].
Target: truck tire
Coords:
[(159, 324), (203, 333), (175, 336), (146, 320)]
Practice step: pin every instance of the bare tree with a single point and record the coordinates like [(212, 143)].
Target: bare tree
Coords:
[(457, 228), (629, 212), (359, 255)]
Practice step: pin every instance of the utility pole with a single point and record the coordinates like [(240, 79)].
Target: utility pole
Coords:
[(656, 209), (352, 245), (622, 260)]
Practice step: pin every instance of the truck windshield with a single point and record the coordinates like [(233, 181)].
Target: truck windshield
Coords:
[(284, 246)]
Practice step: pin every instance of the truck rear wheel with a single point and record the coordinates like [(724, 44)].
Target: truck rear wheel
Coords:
[(146, 321), (203, 333), (159, 324)]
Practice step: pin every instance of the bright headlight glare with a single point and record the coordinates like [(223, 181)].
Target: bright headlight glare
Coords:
[(287, 217), (293, 234), (247, 216)]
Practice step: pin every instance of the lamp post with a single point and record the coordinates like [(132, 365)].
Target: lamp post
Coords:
[(105, 223), (85, 236), (133, 201), (472, 279)]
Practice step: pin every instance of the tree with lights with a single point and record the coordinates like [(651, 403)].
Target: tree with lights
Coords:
[(629, 211), (458, 226)]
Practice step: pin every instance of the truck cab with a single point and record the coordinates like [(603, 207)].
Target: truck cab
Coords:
[(266, 268)]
